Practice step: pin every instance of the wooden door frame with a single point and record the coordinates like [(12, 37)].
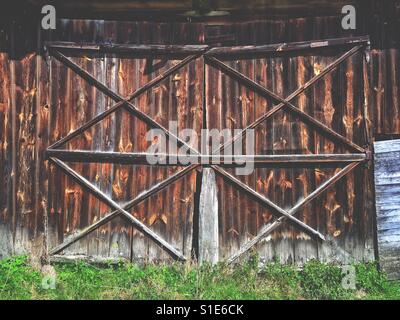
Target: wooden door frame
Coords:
[(210, 56)]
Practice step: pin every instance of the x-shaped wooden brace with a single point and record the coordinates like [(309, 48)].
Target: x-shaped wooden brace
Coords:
[(92, 188), (283, 103)]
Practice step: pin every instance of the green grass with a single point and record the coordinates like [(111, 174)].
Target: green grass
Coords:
[(19, 280)]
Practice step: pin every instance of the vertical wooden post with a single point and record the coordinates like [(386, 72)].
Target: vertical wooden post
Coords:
[(208, 218)]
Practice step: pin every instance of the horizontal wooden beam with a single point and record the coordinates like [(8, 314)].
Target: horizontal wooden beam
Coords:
[(131, 49), (286, 47), (196, 49), (185, 160)]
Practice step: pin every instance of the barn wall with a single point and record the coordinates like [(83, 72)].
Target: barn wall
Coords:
[(33, 114), (387, 155)]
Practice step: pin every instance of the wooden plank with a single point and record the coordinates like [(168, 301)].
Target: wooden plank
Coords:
[(178, 112), (107, 142), (378, 85), (350, 193), (6, 176), (208, 219), (264, 136), (285, 47), (284, 143), (25, 127), (387, 188), (41, 164), (301, 71), (324, 109), (121, 233), (244, 115), (131, 49), (185, 160), (392, 105)]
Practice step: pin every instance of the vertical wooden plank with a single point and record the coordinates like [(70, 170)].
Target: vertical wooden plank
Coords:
[(13, 107), (238, 202), (378, 70), (144, 173), (51, 220), (41, 164), (59, 106), (6, 180), (369, 214), (105, 173), (76, 104), (208, 218), (392, 109), (195, 89), (99, 174), (265, 138), (124, 74), (282, 145), (54, 135), (80, 205), (325, 110), (25, 93), (215, 100), (281, 185), (246, 116), (301, 71), (352, 119), (180, 102)]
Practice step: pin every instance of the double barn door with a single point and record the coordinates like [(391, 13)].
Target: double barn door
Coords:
[(305, 102)]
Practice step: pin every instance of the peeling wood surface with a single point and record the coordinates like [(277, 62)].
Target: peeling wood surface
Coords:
[(35, 114), (387, 188)]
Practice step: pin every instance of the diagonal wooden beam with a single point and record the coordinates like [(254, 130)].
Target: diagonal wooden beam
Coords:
[(266, 202), (104, 198), (271, 227), (118, 98), (286, 102), (108, 217)]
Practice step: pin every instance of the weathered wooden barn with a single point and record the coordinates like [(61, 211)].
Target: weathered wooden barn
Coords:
[(76, 103)]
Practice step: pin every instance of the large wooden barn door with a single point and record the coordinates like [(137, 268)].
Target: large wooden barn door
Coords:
[(106, 99), (307, 103), (108, 96)]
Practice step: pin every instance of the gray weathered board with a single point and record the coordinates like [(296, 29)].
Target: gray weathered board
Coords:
[(387, 186)]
